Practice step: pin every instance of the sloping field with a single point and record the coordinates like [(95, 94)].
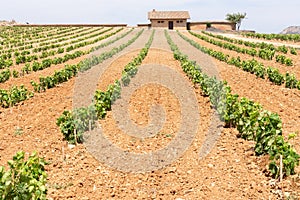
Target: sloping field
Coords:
[(162, 139)]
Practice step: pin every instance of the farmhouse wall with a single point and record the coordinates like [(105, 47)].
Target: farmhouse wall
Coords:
[(178, 24), (225, 26), (197, 26)]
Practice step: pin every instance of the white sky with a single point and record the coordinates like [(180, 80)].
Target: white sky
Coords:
[(262, 15)]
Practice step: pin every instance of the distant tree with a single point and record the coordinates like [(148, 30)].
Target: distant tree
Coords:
[(236, 18), (208, 25)]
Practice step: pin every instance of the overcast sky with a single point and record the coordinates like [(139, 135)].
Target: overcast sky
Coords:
[(262, 15)]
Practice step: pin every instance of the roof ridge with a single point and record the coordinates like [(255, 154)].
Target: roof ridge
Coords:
[(154, 14)]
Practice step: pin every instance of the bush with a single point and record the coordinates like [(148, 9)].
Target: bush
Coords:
[(80, 120), (4, 75), (25, 179), (208, 25), (274, 76), (290, 81), (27, 69), (11, 97), (293, 51), (60, 50), (15, 73)]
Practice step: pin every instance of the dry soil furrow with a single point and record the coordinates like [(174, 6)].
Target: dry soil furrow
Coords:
[(230, 171), (224, 169), (84, 90), (277, 99)]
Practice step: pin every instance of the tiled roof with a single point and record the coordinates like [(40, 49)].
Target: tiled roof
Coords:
[(168, 15)]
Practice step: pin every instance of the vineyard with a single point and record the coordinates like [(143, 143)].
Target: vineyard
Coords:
[(182, 114)]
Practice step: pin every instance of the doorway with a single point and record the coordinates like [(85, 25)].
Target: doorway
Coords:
[(188, 26), (171, 25)]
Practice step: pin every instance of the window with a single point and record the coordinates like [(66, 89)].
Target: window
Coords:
[(160, 22)]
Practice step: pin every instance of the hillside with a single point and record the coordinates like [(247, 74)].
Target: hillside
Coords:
[(7, 23), (291, 30)]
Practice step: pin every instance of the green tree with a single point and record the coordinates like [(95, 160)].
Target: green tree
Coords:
[(236, 18)]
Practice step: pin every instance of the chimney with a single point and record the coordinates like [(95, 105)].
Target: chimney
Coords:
[(153, 10)]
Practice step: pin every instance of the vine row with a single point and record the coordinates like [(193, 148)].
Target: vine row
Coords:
[(251, 66), (250, 119)]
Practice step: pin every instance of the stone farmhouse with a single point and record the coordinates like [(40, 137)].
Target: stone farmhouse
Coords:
[(169, 19), (178, 20)]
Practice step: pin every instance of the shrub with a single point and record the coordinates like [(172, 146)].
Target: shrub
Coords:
[(293, 51), (290, 81), (15, 73), (81, 120), (208, 25), (25, 179), (274, 76)]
